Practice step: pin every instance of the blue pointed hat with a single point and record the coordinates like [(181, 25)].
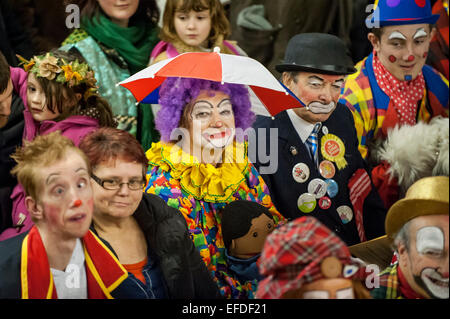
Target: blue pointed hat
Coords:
[(400, 12)]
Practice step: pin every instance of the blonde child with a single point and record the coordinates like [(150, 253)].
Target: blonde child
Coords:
[(193, 26), (61, 96)]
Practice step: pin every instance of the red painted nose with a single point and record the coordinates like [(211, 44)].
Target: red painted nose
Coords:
[(77, 203), (411, 58)]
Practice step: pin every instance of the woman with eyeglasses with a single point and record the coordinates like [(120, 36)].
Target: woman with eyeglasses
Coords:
[(149, 237)]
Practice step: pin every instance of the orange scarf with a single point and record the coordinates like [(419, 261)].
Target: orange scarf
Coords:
[(103, 271)]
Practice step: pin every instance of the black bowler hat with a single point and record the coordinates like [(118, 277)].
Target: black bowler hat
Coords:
[(317, 53)]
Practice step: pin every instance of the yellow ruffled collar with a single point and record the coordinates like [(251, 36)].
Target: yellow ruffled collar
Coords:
[(202, 181)]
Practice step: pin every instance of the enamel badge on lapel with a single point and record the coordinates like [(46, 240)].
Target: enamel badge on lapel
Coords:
[(333, 149), (293, 150)]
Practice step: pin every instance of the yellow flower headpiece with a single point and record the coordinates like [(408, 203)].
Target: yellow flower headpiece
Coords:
[(52, 68)]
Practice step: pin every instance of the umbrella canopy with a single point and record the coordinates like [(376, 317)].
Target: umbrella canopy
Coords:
[(217, 67)]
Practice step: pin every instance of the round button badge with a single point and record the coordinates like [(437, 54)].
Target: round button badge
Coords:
[(327, 169), (324, 202), (345, 213), (300, 172), (306, 203), (317, 187), (332, 188)]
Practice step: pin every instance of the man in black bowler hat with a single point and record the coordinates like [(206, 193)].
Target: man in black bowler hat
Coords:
[(320, 171)]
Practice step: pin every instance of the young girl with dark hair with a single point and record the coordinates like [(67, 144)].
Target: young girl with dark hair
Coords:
[(61, 96)]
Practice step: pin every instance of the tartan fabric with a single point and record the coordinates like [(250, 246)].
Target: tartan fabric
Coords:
[(438, 55), (389, 284), (372, 109), (292, 255)]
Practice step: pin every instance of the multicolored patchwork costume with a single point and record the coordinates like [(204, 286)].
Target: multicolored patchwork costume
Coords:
[(372, 109), (199, 191)]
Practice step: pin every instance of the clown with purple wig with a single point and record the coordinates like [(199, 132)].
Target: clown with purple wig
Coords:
[(201, 164)]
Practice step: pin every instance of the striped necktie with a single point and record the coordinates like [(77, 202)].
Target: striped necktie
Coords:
[(312, 143)]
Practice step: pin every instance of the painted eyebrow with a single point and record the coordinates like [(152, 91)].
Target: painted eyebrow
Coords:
[(48, 180), (397, 35), (315, 77), (420, 33), (49, 177), (210, 104)]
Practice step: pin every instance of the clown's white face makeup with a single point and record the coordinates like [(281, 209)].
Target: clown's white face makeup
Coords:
[(327, 288), (403, 49), (430, 242), (320, 92), (420, 33), (426, 263), (211, 122)]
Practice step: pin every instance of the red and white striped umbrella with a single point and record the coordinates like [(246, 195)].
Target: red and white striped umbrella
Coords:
[(215, 66)]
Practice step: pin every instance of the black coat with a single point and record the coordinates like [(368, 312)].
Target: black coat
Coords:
[(285, 191), (10, 139), (169, 242), (185, 273)]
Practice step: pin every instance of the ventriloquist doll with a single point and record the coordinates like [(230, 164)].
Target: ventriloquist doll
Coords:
[(245, 227)]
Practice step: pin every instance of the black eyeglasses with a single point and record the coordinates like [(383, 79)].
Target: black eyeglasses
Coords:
[(111, 184)]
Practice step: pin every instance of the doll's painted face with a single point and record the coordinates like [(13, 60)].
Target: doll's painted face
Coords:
[(211, 121), (119, 11), (37, 101), (403, 49), (425, 263), (193, 28), (327, 288), (251, 244)]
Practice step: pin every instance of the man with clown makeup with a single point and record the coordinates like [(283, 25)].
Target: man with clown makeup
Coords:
[(393, 86), (418, 226)]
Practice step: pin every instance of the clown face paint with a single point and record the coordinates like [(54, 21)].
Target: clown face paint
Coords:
[(320, 92), (402, 49), (430, 241), (425, 263), (329, 288), (65, 201), (212, 121)]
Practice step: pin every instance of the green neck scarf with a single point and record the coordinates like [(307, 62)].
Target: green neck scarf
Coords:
[(133, 43)]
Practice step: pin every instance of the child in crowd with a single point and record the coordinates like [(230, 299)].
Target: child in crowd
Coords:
[(193, 26), (61, 96)]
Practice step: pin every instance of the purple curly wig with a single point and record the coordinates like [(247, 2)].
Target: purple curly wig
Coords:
[(176, 93)]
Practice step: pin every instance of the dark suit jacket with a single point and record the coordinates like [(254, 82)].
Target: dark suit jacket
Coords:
[(285, 191)]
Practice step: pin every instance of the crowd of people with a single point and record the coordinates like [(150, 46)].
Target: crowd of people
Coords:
[(104, 194)]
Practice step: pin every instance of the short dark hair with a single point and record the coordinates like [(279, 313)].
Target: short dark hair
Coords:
[(237, 219), (5, 73), (108, 144)]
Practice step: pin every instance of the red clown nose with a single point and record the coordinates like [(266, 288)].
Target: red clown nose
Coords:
[(411, 58), (77, 203)]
